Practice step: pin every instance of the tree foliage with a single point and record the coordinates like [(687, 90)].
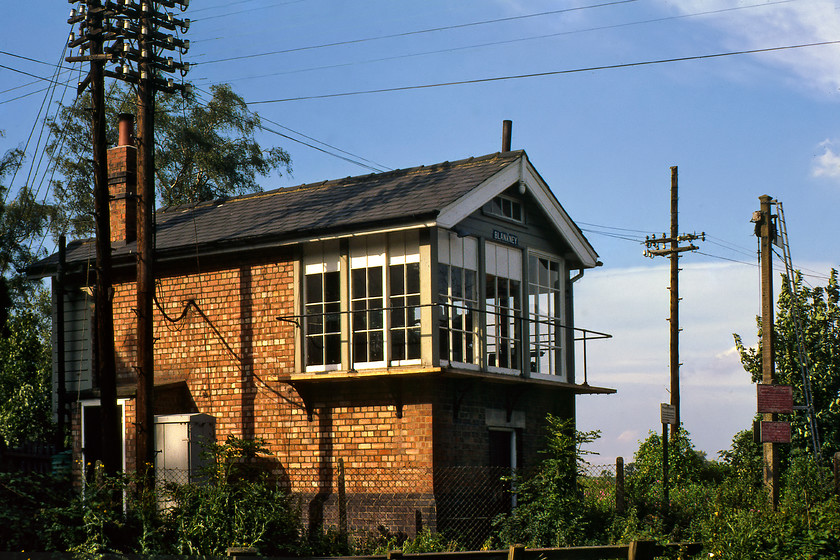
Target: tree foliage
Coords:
[(202, 151), (819, 311), (22, 220), (685, 464), (25, 366), (24, 313)]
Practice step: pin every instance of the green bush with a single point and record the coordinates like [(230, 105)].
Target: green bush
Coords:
[(550, 503), (208, 519)]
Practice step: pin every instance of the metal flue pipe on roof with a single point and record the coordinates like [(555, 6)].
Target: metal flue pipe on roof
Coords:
[(507, 128)]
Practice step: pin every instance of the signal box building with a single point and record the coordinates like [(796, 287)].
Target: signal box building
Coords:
[(379, 332)]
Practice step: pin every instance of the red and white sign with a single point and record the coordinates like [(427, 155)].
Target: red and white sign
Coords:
[(775, 432), (775, 399)]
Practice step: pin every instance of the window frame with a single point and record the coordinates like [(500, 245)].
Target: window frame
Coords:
[(559, 335), (364, 301), (454, 252), (86, 404), (504, 317), (323, 259), (498, 211)]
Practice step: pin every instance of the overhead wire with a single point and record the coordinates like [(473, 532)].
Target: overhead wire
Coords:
[(348, 156), (483, 45), (546, 74), (726, 245), (244, 11), (421, 31)]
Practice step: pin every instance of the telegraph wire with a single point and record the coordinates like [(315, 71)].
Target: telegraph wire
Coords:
[(490, 44), (347, 159), (48, 95), (379, 165), (243, 11), (20, 56), (780, 269), (546, 74), (354, 159), (642, 231), (420, 31)]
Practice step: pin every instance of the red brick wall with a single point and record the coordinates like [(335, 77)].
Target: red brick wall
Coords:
[(230, 360), (226, 354)]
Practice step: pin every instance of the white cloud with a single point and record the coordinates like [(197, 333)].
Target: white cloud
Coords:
[(632, 305), (717, 396), (776, 24), (828, 163)]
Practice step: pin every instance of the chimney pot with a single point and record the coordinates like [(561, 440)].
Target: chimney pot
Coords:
[(126, 127), (507, 127)]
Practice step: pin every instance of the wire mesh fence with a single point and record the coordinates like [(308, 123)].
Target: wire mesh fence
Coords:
[(598, 483), (459, 502)]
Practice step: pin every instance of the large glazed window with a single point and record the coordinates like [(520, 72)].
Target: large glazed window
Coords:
[(458, 298), (367, 300), (503, 305), (404, 298), (545, 315), (374, 303), (322, 307)]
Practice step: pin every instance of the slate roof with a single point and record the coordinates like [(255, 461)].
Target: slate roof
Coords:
[(330, 207)]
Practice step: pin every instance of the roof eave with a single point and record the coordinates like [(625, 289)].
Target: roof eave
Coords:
[(521, 170)]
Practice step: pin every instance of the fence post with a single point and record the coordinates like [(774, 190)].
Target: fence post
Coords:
[(620, 504), (342, 499), (641, 550), (394, 554), (516, 552)]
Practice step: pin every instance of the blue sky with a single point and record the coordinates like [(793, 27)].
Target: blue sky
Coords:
[(737, 126)]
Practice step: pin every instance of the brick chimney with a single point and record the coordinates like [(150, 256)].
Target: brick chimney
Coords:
[(122, 183)]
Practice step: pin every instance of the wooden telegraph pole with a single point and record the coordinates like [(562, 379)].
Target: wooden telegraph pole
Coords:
[(144, 431), (766, 232), (669, 246), (137, 33), (91, 22)]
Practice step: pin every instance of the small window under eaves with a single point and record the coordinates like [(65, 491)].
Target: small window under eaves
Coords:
[(506, 207)]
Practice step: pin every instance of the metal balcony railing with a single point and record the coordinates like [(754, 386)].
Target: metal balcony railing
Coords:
[(581, 334)]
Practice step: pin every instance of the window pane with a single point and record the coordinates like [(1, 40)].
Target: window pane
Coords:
[(398, 345), (543, 277), (360, 347), (375, 317), (457, 283), (332, 286), (313, 288), (332, 348), (332, 321), (357, 282), (377, 346), (413, 345), (397, 279), (412, 274), (470, 288), (314, 351), (443, 279), (457, 346), (359, 318), (397, 313), (516, 211), (375, 281)]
